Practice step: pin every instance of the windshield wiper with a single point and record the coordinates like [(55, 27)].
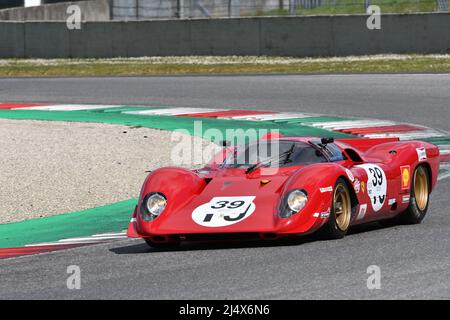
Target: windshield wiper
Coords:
[(269, 160)]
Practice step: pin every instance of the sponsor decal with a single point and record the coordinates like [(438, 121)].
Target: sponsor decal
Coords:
[(362, 211), (363, 186), (376, 185), (357, 186), (422, 154), (316, 215), (326, 214), (224, 211), (350, 175), (392, 201), (406, 199), (327, 189), (406, 176)]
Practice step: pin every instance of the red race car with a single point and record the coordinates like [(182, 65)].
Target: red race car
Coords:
[(311, 184)]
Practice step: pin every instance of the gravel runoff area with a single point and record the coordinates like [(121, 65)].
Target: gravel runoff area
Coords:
[(49, 168)]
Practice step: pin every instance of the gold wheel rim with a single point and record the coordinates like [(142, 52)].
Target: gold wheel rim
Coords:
[(342, 207), (421, 188)]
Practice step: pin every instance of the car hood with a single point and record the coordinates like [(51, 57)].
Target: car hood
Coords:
[(213, 210)]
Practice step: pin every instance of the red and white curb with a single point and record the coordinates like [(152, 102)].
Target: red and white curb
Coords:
[(445, 166), (97, 238), (368, 128), (62, 244)]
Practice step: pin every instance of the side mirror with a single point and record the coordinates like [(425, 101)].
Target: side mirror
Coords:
[(326, 141)]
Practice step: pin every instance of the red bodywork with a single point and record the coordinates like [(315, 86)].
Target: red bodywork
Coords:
[(188, 190)]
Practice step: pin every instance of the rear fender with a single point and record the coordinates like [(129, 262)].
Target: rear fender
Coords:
[(407, 154)]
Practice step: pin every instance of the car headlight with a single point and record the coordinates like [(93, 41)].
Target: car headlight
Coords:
[(295, 201), (153, 205)]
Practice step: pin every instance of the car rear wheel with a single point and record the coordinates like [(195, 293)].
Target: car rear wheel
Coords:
[(162, 245), (420, 196), (341, 211)]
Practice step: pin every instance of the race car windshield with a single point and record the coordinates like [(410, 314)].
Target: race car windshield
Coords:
[(330, 150), (277, 153)]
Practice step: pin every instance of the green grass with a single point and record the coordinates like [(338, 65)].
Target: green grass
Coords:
[(222, 65), (357, 7)]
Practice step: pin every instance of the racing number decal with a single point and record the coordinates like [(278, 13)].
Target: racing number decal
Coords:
[(224, 211), (228, 205), (376, 185), (377, 175)]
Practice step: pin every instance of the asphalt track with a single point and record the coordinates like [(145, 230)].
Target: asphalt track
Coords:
[(414, 260)]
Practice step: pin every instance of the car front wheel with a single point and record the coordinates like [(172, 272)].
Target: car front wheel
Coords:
[(341, 210)]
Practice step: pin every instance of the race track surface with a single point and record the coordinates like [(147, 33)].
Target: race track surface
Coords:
[(414, 260), (422, 98)]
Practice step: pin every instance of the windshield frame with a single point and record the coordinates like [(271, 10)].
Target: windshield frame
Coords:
[(269, 160)]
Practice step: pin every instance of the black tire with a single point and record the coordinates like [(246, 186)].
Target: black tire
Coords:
[(162, 245), (420, 197), (335, 228)]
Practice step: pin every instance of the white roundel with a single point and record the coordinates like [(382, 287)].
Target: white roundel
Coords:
[(224, 211), (376, 185)]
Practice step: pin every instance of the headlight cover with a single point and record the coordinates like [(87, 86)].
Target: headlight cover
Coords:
[(294, 202), (153, 205)]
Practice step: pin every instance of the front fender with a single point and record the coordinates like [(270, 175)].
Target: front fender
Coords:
[(318, 182), (179, 187)]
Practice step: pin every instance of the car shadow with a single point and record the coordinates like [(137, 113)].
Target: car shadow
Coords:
[(142, 247), (196, 246), (373, 226)]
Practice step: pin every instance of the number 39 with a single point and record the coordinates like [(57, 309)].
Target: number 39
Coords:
[(228, 204), (377, 176)]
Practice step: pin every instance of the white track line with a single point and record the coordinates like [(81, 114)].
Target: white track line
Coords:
[(445, 165), (444, 176), (173, 111), (408, 136), (444, 149), (84, 240), (269, 116), (70, 107), (116, 234), (88, 240), (339, 125)]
